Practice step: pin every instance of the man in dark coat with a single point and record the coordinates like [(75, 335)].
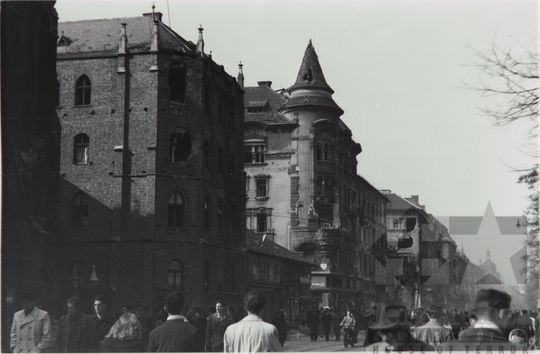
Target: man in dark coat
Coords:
[(176, 334), (326, 320), (313, 322), (200, 322), (100, 323), (525, 323), (281, 324), (73, 329), (216, 324)]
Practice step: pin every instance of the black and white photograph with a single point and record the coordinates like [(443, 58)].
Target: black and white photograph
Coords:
[(268, 175)]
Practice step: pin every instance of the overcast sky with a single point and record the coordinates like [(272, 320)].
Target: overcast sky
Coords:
[(398, 69)]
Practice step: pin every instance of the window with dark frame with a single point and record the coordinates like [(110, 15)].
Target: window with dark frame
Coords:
[(175, 274), (80, 210), (254, 153), (262, 187), (177, 84), (81, 145), (83, 91), (262, 222), (176, 210)]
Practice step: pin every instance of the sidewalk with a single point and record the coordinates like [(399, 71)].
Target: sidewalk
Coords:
[(299, 342)]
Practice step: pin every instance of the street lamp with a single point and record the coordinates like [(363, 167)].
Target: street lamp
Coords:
[(74, 276), (93, 277)]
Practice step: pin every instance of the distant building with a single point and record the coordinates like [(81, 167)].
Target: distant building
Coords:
[(419, 240), (281, 275), (152, 194), (302, 187), (30, 153)]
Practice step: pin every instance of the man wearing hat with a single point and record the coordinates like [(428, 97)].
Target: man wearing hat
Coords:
[(392, 333), (434, 332)]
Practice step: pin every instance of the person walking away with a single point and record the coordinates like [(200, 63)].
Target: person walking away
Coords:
[(100, 323), (232, 312), (313, 322), (176, 334), (326, 320), (434, 332), (145, 318), (252, 334), (216, 325), (125, 336), (73, 329), (492, 309), (282, 326), (335, 324), (31, 328), (199, 321)]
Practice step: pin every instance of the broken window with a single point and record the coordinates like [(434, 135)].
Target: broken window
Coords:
[(175, 274), (410, 224), (179, 146), (81, 144)]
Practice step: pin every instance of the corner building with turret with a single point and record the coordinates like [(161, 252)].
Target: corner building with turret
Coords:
[(303, 190), (151, 196)]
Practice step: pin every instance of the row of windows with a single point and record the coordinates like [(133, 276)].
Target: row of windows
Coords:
[(266, 272), (175, 275), (177, 93), (179, 150), (176, 213)]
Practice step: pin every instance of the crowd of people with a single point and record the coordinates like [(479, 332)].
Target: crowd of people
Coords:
[(181, 329), (175, 329)]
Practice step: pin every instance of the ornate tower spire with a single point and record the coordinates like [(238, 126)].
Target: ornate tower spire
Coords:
[(200, 41), (310, 74), (241, 75), (310, 88)]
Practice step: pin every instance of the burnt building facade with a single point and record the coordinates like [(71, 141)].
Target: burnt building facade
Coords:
[(30, 153), (152, 190), (301, 182)]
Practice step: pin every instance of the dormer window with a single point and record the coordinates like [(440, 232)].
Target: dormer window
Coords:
[(257, 106), (63, 40)]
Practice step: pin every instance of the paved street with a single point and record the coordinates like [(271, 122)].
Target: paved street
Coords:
[(304, 344)]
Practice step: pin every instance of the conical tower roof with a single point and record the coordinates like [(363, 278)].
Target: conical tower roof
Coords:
[(310, 74)]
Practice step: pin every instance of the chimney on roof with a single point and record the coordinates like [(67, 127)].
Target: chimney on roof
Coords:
[(386, 191), (241, 75), (156, 15), (265, 83), (414, 199)]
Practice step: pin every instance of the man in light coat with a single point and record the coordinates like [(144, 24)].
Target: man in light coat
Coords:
[(252, 334), (31, 328)]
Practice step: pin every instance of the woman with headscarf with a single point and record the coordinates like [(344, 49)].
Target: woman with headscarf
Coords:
[(125, 336)]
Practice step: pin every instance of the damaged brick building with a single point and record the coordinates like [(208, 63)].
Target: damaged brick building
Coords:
[(303, 190), (151, 195)]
